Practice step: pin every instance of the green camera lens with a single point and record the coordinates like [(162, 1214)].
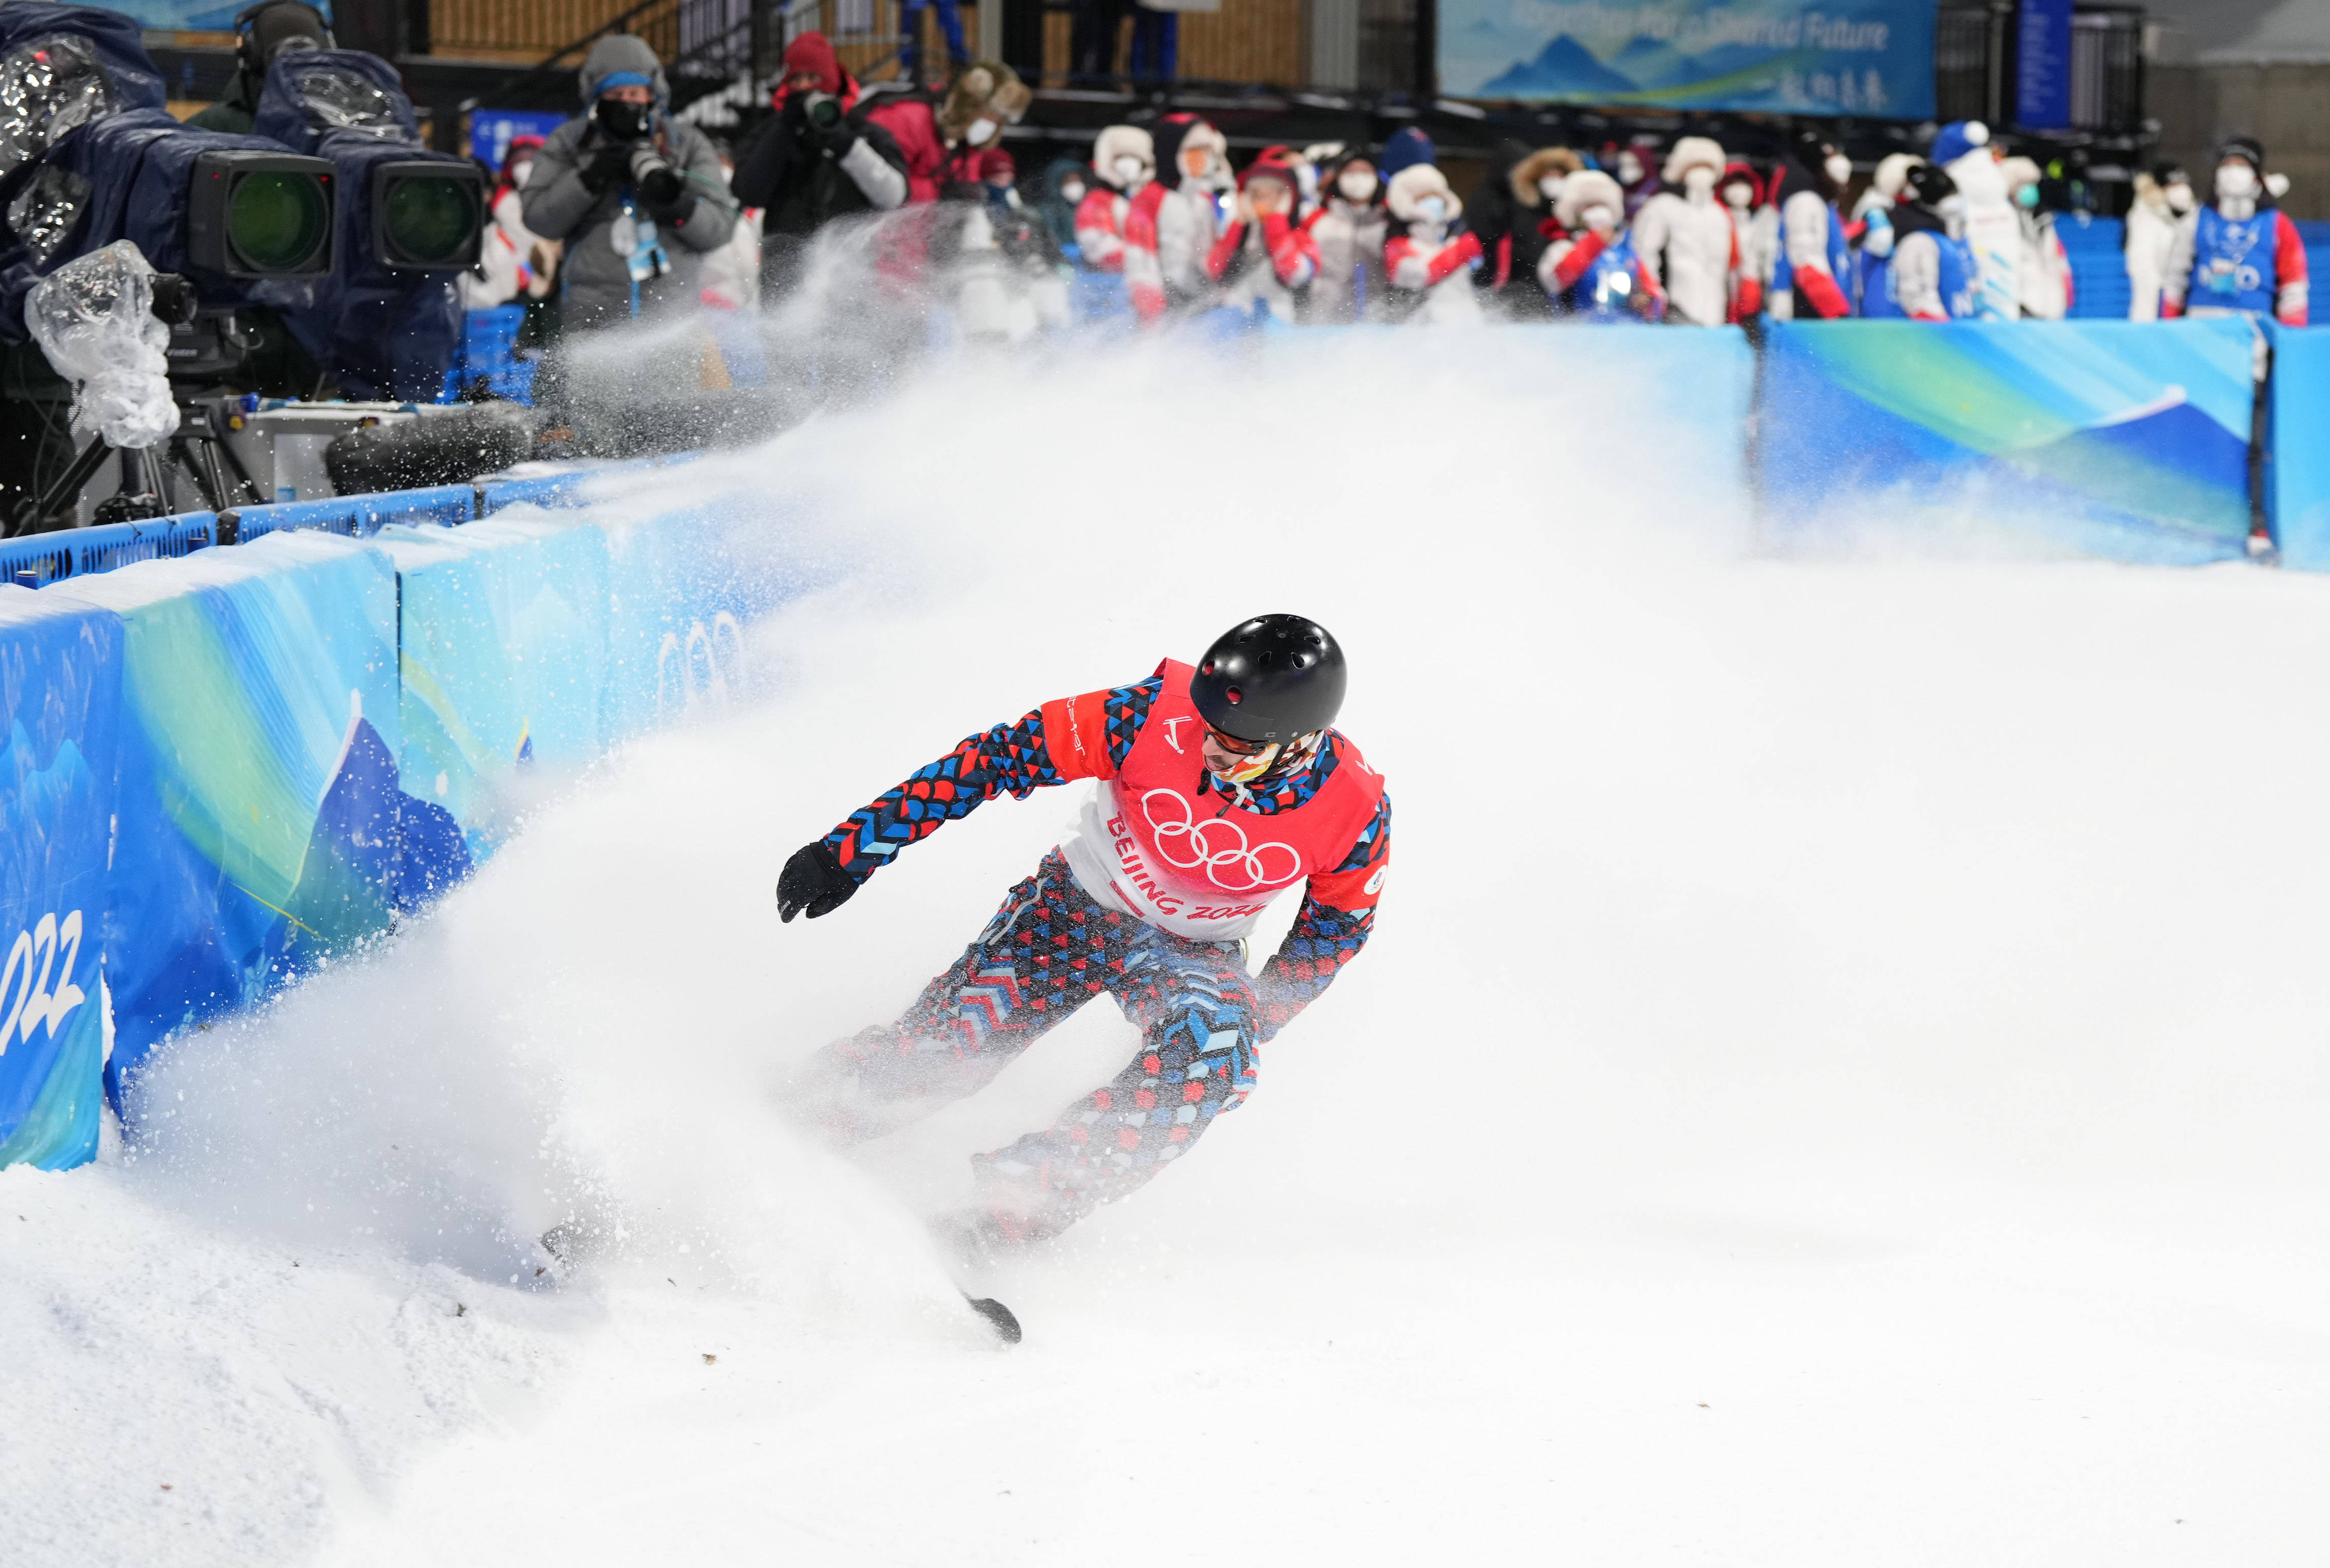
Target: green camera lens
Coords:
[(431, 219), (278, 221)]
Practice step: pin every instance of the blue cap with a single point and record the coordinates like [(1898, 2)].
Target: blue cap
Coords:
[(625, 79), (1956, 139)]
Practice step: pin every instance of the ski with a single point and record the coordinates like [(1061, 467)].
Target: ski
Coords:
[(999, 1317)]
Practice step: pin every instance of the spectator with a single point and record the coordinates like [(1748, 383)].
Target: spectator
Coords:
[(732, 274), (1430, 256), (1156, 41), (1092, 40), (910, 51), (1264, 260), (1592, 272), (1405, 149), (1349, 230), (1172, 225), (1811, 261), (261, 34), (2241, 253), (2163, 205), (1124, 160), (1756, 227), (940, 137), (1930, 274), (1067, 182), (1685, 240), (513, 263), (998, 178), (2042, 272), (819, 158), (1992, 231), (1870, 228), (1631, 165), (627, 171)]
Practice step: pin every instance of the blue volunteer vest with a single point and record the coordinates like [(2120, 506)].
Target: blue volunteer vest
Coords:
[(2233, 263), (1602, 290), (1959, 280)]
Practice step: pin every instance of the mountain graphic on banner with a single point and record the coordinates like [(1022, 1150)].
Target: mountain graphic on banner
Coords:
[(1563, 66)]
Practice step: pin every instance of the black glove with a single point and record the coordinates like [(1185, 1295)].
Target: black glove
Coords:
[(663, 190), (610, 166), (839, 138), (813, 882)]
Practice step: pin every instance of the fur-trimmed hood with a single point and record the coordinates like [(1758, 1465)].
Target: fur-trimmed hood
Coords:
[(622, 55), (1122, 141), (1589, 188), (1177, 131), (990, 90), (1415, 183), (1546, 160), (1692, 152), (1892, 175)]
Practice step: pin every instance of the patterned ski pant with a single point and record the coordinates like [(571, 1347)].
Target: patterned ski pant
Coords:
[(1048, 951)]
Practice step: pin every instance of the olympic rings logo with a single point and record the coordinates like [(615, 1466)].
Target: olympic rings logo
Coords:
[(1216, 846)]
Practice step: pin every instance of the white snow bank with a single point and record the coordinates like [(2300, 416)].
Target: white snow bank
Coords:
[(1838, 1078)]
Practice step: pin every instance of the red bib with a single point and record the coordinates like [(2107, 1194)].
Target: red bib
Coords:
[(1181, 858)]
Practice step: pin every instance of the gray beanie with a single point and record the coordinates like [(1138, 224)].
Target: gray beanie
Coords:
[(623, 56)]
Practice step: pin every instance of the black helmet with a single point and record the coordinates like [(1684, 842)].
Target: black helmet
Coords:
[(1930, 186), (1273, 677)]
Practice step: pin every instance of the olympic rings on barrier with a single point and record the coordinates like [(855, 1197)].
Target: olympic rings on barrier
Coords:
[(1210, 842)]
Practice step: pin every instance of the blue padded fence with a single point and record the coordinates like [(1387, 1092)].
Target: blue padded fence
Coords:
[(40, 559), (220, 769)]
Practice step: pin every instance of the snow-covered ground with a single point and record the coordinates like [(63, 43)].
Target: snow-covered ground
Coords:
[(1840, 1076)]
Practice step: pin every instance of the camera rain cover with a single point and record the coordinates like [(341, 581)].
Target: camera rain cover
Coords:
[(47, 210), (311, 93), (61, 67)]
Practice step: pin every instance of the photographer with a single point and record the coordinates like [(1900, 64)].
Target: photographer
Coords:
[(816, 159), (636, 195)]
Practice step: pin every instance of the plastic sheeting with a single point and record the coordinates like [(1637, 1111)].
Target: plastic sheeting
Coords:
[(94, 319)]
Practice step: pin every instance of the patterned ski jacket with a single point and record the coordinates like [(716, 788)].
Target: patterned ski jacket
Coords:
[(1339, 905)]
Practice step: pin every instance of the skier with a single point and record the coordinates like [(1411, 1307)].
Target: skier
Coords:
[(1217, 788)]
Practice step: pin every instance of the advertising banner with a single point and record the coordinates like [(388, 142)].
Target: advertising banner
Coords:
[(2124, 440), (259, 825), (504, 627), (2297, 476), (59, 688), (1869, 58)]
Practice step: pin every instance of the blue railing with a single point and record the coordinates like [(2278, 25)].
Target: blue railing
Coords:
[(356, 516), (36, 561)]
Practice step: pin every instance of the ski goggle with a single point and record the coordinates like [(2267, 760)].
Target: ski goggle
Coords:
[(1236, 747)]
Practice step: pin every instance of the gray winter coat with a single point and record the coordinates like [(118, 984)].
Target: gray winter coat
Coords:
[(594, 276)]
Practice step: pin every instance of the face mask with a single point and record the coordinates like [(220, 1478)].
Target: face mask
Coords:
[(1952, 210), (1128, 168), (521, 173), (2237, 182), (1630, 168), (624, 121), (2026, 195), (1356, 184), (1072, 193), (1599, 216), (1432, 209), (980, 132), (1735, 194), (1549, 188), (2180, 197), (1699, 182), (1838, 168)]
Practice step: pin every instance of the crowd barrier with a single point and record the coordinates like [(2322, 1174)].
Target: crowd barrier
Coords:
[(223, 763), (222, 768)]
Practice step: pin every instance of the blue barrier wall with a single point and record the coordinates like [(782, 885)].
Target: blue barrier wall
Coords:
[(2298, 470), (222, 768), (60, 677), (2124, 440)]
